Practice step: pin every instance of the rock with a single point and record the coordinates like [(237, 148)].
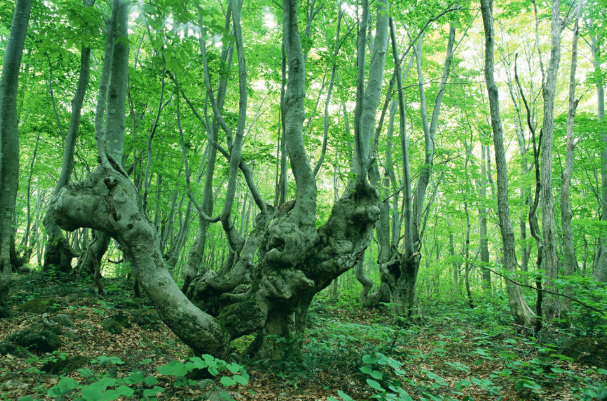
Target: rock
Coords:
[(122, 319), (591, 351), (62, 320), (24, 270), (36, 326), (204, 385), (65, 366), (71, 335), (39, 341), (111, 326), (38, 305), (147, 321), (15, 350), (216, 394)]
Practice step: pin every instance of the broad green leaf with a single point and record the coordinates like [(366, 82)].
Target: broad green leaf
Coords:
[(375, 385), (227, 381), (173, 368)]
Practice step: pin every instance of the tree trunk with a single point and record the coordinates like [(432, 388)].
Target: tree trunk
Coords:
[(550, 261), (9, 139), (600, 272), (518, 307), (58, 253), (482, 219), (566, 214)]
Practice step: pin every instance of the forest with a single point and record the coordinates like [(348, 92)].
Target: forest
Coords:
[(303, 200)]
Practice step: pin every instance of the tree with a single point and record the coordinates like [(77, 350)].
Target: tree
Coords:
[(518, 307), (9, 139), (296, 260)]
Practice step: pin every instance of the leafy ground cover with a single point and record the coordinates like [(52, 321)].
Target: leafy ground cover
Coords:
[(454, 354)]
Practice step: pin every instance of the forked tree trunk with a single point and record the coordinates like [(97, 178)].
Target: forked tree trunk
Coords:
[(296, 260)]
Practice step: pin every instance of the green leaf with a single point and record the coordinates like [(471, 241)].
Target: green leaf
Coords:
[(153, 392), (369, 359), (344, 396), (64, 386), (134, 378), (376, 375), (366, 369), (227, 381), (234, 367), (173, 368), (125, 390), (241, 380), (150, 380), (375, 385)]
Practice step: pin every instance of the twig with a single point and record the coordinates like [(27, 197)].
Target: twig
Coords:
[(543, 290)]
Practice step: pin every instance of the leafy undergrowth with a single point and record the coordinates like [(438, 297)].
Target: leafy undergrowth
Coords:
[(453, 354)]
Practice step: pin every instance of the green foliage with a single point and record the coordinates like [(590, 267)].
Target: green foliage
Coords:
[(107, 387)]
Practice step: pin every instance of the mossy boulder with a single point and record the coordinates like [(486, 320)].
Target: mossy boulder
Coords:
[(15, 350), (38, 341), (111, 326), (65, 366), (588, 350), (63, 320), (148, 320), (122, 319), (38, 305), (71, 335)]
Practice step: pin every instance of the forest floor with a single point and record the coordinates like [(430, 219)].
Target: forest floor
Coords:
[(455, 353)]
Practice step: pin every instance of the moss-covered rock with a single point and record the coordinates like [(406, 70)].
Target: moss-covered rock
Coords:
[(591, 351), (122, 319), (4, 313), (65, 366), (38, 341), (15, 350), (63, 320), (148, 320), (38, 305), (111, 326)]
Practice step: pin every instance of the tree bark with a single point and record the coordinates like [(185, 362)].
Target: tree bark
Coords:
[(600, 272), (9, 139), (518, 307), (550, 261), (58, 253), (566, 214)]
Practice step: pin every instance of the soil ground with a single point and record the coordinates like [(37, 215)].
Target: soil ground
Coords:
[(452, 354)]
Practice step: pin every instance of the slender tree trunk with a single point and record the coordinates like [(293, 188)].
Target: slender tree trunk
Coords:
[(550, 261), (600, 271), (518, 307), (566, 214), (9, 139), (58, 253), (482, 218)]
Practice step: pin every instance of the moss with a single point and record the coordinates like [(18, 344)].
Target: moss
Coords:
[(40, 341), (38, 305), (65, 366), (111, 326), (122, 319), (591, 351), (15, 350)]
